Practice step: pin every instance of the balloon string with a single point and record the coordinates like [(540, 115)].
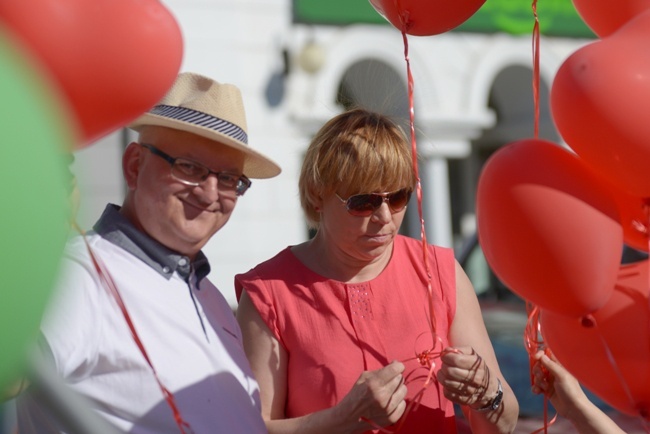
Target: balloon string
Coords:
[(425, 358), (643, 413), (532, 334), (423, 235), (536, 43), (613, 364), (546, 424), (534, 342), (645, 228), (414, 154), (110, 286)]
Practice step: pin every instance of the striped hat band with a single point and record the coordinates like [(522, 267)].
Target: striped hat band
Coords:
[(196, 117)]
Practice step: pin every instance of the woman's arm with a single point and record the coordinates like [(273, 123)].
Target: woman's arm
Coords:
[(377, 396), (470, 373), (568, 398)]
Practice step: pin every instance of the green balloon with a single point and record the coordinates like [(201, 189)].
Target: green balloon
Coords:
[(35, 134)]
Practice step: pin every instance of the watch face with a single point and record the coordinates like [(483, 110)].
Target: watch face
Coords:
[(497, 400)]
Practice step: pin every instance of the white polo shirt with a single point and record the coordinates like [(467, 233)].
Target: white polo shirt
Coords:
[(185, 324)]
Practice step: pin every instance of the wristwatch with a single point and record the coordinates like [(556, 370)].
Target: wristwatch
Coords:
[(495, 402)]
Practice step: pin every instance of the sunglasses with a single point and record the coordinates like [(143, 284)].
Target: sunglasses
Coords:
[(363, 205)]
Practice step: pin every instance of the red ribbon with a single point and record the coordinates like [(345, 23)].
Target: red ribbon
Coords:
[(111, 288)]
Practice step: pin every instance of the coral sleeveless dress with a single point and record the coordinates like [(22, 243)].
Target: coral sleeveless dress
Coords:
[(333, 331)]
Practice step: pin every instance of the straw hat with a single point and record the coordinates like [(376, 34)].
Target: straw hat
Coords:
[(202, 106)]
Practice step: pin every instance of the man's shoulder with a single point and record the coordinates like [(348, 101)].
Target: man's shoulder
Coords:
[(81, 249), (78, 247), (76, 269)]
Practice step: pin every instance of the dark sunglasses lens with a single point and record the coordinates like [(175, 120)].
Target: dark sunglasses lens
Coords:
[(399, 199), (364, 204)]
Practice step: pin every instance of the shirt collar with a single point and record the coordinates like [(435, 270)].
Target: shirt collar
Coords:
[(117, 229)]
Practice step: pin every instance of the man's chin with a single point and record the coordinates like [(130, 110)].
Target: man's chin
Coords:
[(197, 237)]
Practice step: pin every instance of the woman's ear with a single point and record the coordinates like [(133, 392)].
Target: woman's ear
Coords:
[(131, 163), (317, 202)]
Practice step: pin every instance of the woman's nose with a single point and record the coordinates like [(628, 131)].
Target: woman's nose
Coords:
[(383, 214)]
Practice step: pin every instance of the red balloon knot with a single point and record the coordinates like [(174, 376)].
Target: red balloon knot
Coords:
[(425, 358), (405, 20), (588, 321)]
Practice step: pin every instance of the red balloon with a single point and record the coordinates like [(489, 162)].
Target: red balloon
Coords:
[(610, 354), (634, 215), (635, 219), (600, 100), (426, 17), (113, 59), (548, 227), (606, 16)]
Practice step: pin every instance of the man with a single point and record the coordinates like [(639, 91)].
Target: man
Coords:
[(136, 327)]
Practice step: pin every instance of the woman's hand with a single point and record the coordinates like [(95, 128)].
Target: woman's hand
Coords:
[(466, 378), (377, 397)]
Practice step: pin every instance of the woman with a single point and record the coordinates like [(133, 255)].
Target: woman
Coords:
[(339, 329)]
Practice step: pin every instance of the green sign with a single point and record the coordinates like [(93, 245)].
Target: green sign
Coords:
[(556, 17)]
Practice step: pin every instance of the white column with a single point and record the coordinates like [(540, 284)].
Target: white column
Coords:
[(436, 206), (434, 175)]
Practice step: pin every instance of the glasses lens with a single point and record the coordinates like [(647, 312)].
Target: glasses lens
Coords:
[(363, 205), (243, 184), (399, 199), (189, 171), (228, 181)]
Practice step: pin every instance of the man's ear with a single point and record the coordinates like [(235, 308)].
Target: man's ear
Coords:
[(131, 162)]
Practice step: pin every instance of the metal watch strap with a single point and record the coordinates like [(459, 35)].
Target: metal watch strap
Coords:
[(495, 402)]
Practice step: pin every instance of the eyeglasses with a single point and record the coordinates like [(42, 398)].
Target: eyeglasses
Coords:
[(363, 205), (192, 173)]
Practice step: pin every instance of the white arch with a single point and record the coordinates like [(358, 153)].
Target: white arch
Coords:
[(352, 45), (505, 51), (348, 46)]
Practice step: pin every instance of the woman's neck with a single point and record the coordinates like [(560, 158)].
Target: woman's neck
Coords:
[(328, 261)]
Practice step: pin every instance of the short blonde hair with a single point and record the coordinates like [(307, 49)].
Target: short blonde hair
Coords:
[(358, 151)]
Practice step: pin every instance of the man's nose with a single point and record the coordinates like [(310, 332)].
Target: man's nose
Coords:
[(208, 190)]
